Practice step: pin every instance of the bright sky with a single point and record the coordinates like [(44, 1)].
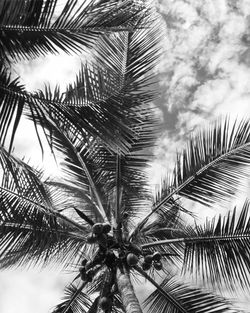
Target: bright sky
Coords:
[(204, 73)]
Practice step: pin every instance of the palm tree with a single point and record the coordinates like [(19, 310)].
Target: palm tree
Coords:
[(100, 217)]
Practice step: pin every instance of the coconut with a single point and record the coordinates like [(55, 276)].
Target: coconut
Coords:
[(148, 259), (158, 265), (84, 261), (125, 215), (104, 303), (91, 239), (90, 275), (88, 265), (132, 259), (157, 256), (106, 228), (97, 228), (83, 273), (110, 258), (146, 266)]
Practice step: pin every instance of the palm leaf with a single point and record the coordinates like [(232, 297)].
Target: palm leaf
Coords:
[(75, 300), (31, 227), (218, 251), (67, 198), (36, 28), (134, 55), (91, 106), (172, 296), (11, 106), (213, 168), (213, 158), (79, 175), (48, 242)]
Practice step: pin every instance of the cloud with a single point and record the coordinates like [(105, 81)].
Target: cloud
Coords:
[(53, 69), (30, 291), (206, 69)]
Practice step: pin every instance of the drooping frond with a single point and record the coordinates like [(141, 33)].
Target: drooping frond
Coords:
[(91, 107), (78, 174), (134, 55), (32, 28), (90, 115), (213, 168), (31, 227), (79, 301), (175, 297), (11, 106), (219, 251), (69, 199)]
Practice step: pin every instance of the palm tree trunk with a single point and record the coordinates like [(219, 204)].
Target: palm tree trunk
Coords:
[(126, 290)]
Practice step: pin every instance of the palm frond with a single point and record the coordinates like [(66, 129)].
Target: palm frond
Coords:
[(172, 296), (95, 101), (134, 55), (24, 242), (31, 227), (67, 198), (220, 250), (79, 175), (213, 168), (11, 106), (91, 108), (75, 300), (214, 165), (36, 28)]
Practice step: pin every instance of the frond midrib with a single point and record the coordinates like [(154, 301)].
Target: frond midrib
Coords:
[(44, 208), (219, 238), (186, 182), (61, 29), (28, 227)]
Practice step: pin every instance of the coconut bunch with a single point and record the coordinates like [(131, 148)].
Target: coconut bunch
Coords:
[(99, 230), (111, 252)]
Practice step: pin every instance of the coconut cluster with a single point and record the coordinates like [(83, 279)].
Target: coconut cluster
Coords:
[(105, 303), (99, 230), (127, 253), (152, 259), (86, 271), (113, 253)]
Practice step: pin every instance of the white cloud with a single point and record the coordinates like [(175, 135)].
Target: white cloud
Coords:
[(53, 69), (27, 291)]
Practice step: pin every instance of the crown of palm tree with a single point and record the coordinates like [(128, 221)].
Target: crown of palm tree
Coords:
[(100, 217)]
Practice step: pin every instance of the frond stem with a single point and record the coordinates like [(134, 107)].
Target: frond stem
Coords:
[(29, 227), (196, 239), (161, 290), (74, 297), (183, 185), (45, 209)]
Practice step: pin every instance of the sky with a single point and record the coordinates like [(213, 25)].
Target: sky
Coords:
[(204, 73)]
